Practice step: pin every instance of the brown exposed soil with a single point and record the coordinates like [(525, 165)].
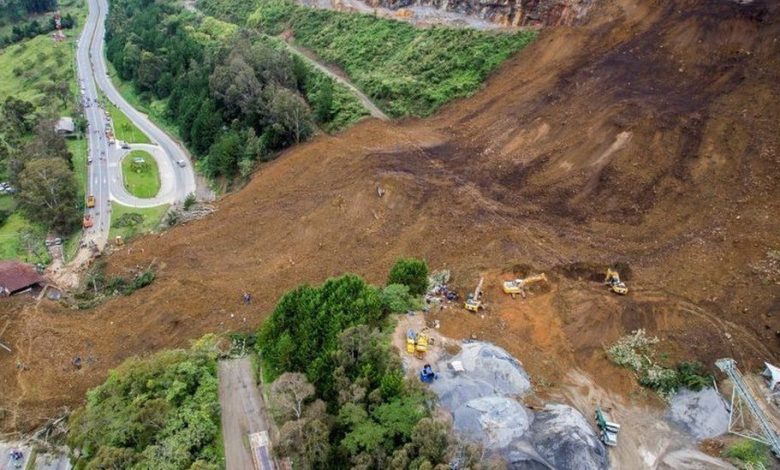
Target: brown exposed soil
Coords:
[(648, 136)]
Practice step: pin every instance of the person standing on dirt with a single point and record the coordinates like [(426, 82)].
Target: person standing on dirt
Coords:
[(247, 298)]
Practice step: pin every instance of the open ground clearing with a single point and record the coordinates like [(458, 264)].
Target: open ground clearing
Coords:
[(625, 140)]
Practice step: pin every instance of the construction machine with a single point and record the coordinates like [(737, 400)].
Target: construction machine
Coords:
[(427, 374), (87, 222), (91, 201), (615, 284), (608, 430), (474, 301), (518, 286), (417, 343)]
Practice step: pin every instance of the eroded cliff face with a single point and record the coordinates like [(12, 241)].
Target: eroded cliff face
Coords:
[(505, 12)]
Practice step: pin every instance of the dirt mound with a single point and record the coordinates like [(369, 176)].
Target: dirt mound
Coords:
[(648, 136)]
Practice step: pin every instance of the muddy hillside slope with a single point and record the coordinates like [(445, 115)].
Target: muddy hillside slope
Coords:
[(505, 12), (646, 136)]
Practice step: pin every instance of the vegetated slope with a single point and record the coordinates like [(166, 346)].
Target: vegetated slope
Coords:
[(647, 136)]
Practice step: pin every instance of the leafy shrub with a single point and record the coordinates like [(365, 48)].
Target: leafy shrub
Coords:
[(411, 272), (190, 201), (130, 219), (750, 453), (4, 215), (396, 298), (631, 350)]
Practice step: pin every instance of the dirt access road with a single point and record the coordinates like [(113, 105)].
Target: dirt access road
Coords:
[(242, 411), (309, 57)]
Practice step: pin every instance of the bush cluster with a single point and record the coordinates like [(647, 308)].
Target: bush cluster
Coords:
[(635, 352)]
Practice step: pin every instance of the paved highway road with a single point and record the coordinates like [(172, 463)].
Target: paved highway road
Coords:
[(105, 179), (242, 413)]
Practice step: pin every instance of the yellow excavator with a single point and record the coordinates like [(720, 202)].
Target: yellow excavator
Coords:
[(474, 301), (615, 284), (518, 286)]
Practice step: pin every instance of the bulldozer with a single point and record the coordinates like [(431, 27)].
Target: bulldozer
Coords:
[(518, 286), (474, 301), (615, 284)]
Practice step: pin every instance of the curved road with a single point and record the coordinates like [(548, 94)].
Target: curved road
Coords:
[(105, 180)]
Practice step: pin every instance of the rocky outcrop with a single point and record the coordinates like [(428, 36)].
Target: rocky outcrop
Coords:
[(504, 12)]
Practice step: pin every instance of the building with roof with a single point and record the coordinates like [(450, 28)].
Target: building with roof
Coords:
[(772, 375), (17, 277), (65, 126)]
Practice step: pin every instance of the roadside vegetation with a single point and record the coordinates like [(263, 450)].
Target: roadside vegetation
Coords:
[(637, 353), (409, 71), (234, 97), (128, 222), (339, 392), (140, 174), (161, 411), (124, 128)]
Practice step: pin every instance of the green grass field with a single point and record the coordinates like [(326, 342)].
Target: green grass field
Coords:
[(78, 148), (151, 220), (124, 127), (141, 180), (7, 203), (40, 71)]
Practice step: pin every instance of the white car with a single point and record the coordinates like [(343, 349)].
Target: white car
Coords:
[(181, 163)]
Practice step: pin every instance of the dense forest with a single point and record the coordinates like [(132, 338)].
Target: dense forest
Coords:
[(405, 69), (13, 10), (234, 98), (339, 394), (159, 412)]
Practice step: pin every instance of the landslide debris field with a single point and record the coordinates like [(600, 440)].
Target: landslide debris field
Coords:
[(648, 136)]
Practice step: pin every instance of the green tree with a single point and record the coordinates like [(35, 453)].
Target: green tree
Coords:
[(396, 298), (323, 105), (48, 194), (19, 114), (223, 156), (205, 127), (411, 272)]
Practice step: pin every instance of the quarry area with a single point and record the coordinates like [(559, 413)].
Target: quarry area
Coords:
[(631, 135)]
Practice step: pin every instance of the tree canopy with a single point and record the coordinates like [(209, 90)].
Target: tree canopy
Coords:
[(158, 412), (411, 272)]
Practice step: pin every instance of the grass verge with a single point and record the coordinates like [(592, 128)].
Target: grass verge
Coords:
[(141, 179), (126, 225), (124, 127)]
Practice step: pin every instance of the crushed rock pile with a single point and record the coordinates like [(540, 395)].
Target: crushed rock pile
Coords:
[(483, 402), (702, 414)]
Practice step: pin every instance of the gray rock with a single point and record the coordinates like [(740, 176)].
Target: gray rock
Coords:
[(702, 414), (566, 440), (495, 421)]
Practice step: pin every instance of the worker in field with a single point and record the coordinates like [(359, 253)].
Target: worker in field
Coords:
[(247, 298)]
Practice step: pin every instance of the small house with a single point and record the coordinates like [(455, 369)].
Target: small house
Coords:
[(16, 278), (65, 126)]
